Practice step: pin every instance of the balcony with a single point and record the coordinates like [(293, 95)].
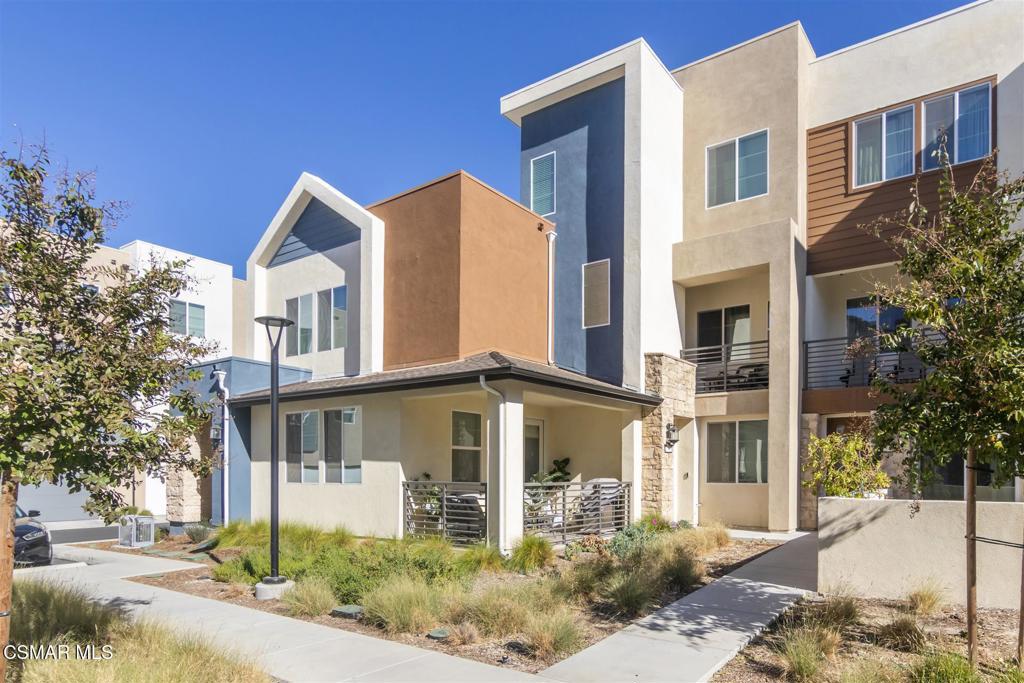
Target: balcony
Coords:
[(839, 363), (730, 367)]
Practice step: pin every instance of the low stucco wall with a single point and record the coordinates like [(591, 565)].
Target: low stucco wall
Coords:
[(877, 548)]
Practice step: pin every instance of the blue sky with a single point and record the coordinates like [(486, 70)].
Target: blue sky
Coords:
[(202, 115)]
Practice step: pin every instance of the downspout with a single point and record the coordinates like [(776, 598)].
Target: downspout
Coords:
[(552, 236), (225, 440), (502, 541)]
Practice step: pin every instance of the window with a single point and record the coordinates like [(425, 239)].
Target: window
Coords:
[(737, 169), (868, 317), (302, 448), (960, 121), (343, 446), (465, 446), (883, 146), (186, 318), (331, 321), (737, 452), (724, 326), (597, 293), (533, 448), (542, 184)]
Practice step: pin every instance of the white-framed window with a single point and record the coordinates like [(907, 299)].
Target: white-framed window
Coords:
[(737, 169), (883, 146), (597, 293), (737, 452), (466, 446), (330, 322), (542, 184), (187, 318), (302, 447), (343, 446), (962, 121), (332, 318)]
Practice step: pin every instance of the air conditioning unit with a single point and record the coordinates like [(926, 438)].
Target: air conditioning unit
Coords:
[(137, 531)]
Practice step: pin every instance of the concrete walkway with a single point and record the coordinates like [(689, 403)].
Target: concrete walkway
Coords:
[(694, 637), (288, 649)]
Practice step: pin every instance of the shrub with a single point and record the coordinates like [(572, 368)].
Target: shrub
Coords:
[(530, 553), (43, 612), (844, 464), (902, 634), (943, 667), (584, 580), (197, 533), (402, 604), (629, 592), (715, 535), (926, 599), (147, 652), (256, 563), (553, 633), (232, 572), (310, 597), (481, 557), (303, 538), (587, 544), (630, 541), (673, 561), (803, 648), (654, 523), (499, 611)]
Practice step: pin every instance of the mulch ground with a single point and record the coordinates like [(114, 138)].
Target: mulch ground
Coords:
[(946, 631), (512, 654)]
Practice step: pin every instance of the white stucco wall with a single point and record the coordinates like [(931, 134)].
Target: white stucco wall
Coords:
[(827, 296)]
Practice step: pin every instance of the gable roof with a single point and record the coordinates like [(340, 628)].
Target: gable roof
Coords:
[(318, 228)]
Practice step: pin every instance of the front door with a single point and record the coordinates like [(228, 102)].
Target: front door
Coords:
[(533, 448)]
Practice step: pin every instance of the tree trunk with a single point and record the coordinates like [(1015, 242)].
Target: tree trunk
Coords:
[(8, 503), (1020, 617), (971, 502)]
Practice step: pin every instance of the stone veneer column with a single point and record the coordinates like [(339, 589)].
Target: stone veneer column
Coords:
[(808, 505), (184, 498), (674, 380)]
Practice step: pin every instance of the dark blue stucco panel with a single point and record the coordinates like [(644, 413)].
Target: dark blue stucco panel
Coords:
[(587, 134), (318, 229), (241, 375)]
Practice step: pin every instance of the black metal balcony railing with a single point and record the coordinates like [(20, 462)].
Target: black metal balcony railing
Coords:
[(563, 511), (730, 367), (840, 362), (455, 510)]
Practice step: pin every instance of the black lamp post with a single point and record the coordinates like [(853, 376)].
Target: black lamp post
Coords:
[(275, 325)]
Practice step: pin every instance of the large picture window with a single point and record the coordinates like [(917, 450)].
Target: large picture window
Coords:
[(737, 452), (466, 449), (884, 146), (962, 121), (343, 446), (737, 169), (302, 451)]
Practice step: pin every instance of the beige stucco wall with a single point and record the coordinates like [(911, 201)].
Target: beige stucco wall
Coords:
[(827, 296), (745, 90), (241, 325), (877, 548), (308, 275), (752, 290)]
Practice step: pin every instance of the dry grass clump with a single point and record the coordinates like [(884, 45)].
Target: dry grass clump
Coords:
[(44, 611), (310, 597), (869, 671), (553, 633), (531, 553), (804, 648), (481, 557), (629, 592), (715, 535), (673, 561), (943, 667), (926, 599), (838, 610), (464, 633), (402, 604), (902, 633)]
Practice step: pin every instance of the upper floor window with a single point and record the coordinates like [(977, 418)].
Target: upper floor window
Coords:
[(542, 184), (737, 169), (960, 121), (883, 146), (597, 293), (187, 318), (331, 321)]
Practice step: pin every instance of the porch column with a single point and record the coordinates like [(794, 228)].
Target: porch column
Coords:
[(632, 462), (505, 467)]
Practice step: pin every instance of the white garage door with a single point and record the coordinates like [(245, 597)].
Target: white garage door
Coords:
[(55, 503)]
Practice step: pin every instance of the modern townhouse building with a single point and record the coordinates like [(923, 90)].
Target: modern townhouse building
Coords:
[(668, 307)]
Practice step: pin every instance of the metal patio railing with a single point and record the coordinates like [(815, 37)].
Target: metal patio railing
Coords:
[(454, 510), (730, 367), (839, 363), (563, 511)]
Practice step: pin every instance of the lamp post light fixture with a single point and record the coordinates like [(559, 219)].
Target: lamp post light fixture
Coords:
[(273, 584)]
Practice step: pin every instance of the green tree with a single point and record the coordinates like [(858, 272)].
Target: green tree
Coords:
[(88, 384), (961, 282), (844, 464)]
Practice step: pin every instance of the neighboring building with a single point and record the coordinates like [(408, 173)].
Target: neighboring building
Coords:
[(669, 308)]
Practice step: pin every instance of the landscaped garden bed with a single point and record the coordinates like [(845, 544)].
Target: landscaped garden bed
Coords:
[(840, 639), (525, 612)]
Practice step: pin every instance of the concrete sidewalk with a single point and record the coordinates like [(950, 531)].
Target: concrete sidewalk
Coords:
[(288, 649), (694, 637)]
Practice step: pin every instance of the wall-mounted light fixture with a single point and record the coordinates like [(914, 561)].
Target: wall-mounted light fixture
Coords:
[(671, 436)]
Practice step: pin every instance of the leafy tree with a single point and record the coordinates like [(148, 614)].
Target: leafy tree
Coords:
[(961, 282), (88, 383), (844, 464)]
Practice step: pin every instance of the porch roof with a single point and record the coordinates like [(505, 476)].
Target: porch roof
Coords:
[(492, 365)]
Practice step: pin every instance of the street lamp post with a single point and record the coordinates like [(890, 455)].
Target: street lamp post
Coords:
[(275, 325)]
